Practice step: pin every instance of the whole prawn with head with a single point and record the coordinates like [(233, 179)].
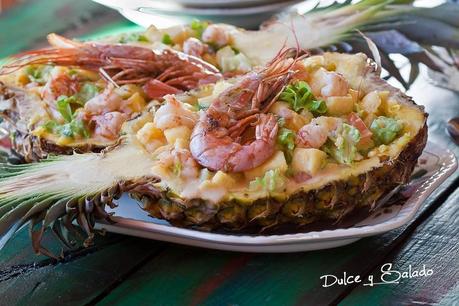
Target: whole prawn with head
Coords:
[(219, 140), (160, 71)]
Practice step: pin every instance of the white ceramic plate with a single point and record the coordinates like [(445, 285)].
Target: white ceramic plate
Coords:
[(146, 12), (222, 3), (434, 166)]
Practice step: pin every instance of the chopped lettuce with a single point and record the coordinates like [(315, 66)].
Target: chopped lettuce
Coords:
[(76, 127), (167, 39), (385, 129), (198, 27), (299, 96), (132, 37), (286, 139), (64, 107), (38, 74), (272, 180), (72, 126), (343, 145), (177, 168), (87, 92)]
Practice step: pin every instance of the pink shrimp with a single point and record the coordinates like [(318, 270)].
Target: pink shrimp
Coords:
[(109, 124), (216, 138), (315, 133), (120, 64), (60, 85)]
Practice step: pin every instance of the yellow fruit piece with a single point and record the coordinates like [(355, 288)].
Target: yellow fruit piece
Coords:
[(223, 179), (371, 102), (384, 95), (338, 106), (313, 62), (23, 79), (179, 132), (39, 132), (151, 137), (63, 141), (308, 160), (136, 103), (161, 171), (293, 120), (354, 94), (276, 162)]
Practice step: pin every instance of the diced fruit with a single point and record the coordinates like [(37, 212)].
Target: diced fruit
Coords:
[(293, 120), (180, 132), (309, 160), (384, 95), (136, 103), (365, 134), (313, 62), (338, 106), (350, 66), (276, 162), (371, 102), (354, 94), (358, 123), (223, 179), (150, 137)]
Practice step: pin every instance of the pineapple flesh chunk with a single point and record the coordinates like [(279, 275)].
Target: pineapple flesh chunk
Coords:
[(338, 106), (371, 102), (308, 160), (179, 132), (276, 162), (293, 120), (150, 137)]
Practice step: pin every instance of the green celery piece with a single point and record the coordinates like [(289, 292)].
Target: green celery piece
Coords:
[(343, 147), (385, 129)]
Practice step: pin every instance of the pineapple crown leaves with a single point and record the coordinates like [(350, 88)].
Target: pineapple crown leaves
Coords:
[(56, 192), (395, 27), (24, 197)]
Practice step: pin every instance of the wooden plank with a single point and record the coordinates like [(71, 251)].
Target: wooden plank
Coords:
[(79, 279), (435, 244), (25, 26)]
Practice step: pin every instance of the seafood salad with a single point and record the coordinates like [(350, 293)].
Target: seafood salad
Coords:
[(80, 94), (294, 123), (298, 140)]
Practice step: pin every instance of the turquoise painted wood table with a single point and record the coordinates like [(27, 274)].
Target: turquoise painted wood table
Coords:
[(122, 270)]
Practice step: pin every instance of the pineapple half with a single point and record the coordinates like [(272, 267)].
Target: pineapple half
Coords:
[(298, 185), (58, 110)]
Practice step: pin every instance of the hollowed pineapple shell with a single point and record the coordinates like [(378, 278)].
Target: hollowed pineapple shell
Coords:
[(99, 178)]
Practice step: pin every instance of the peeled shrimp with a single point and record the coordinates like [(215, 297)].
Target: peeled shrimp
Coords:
[(173, 114), (315, 133), (109, 125), (328, 84)]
